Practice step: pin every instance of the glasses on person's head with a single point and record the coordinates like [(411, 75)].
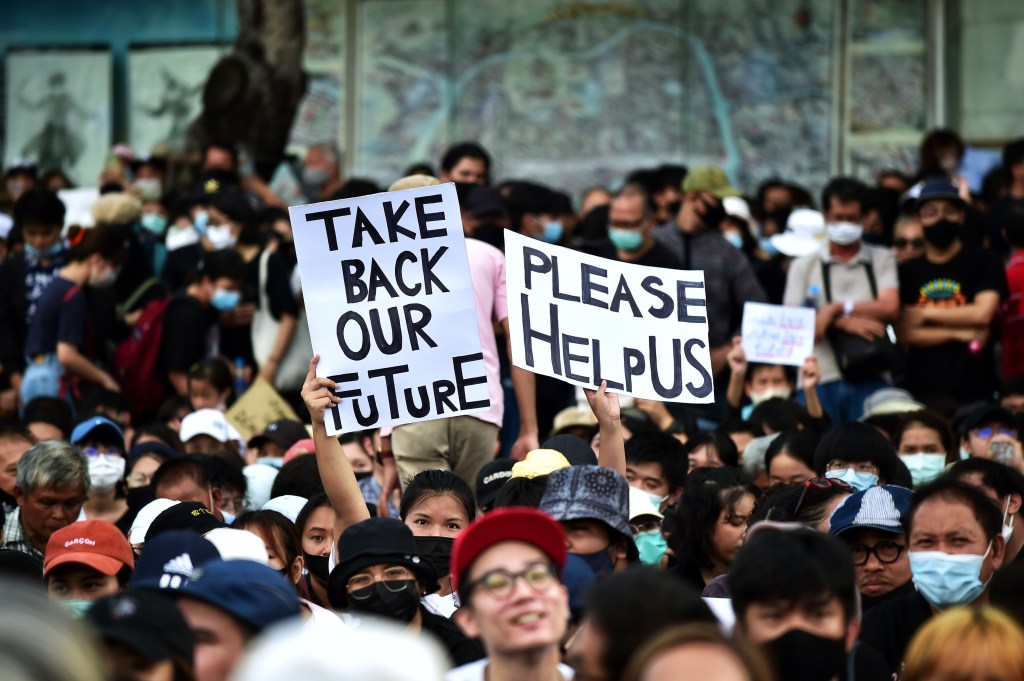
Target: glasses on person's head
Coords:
[(989, 431), (646, 525), (394, 579), (859, 466), (500, 583), (901, 243), (823, 484), (885, 551)]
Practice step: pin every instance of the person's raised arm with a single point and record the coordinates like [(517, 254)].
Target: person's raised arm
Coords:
[(605, 406), (737, 373), (525, 385), (335, 471)]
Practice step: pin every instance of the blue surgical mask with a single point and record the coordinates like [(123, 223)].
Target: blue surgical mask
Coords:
[(273, 462), (948, 579), (734, 238), (224, 300), (628, 240), (859, 480), (552, 232), (599, 561), (201, 220), (924, 468), (154, 223), (656, 500), (652, 546), (766, 245), (75, 607), (50, 252)]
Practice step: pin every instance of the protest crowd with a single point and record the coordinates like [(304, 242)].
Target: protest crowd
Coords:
[(845, 512)]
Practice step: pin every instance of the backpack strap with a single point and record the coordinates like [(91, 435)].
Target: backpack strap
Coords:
[(827, 282)]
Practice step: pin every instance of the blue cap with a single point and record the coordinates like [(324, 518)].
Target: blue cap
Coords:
[(98, 427), (252, 593), (938, 189), (170, 559), (882, 507)]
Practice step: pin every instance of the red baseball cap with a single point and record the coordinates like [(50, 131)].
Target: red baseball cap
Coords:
[(527, 525), (95, 543)]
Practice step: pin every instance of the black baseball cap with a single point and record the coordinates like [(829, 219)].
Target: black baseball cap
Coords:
[(283, 433), (188, 515), (146, 622), (491, 478)]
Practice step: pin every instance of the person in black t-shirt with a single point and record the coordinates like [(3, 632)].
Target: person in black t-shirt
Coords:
[(190, 321), (629, 232), (950, 297), (58, 342)]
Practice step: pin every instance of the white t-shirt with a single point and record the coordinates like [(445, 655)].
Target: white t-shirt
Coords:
[(474, 671)]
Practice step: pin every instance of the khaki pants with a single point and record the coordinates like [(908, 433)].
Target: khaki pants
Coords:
[(461, 444)]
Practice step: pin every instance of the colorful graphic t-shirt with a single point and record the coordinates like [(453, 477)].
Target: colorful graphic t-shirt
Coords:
[(951, 369)]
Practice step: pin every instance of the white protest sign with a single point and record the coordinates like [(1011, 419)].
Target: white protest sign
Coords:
[(390, 306), (775, 334), (582, 319)]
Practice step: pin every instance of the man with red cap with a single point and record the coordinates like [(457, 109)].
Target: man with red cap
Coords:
[(506, 567), (85, 561)]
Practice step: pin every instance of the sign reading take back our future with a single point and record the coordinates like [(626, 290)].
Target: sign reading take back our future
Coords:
[(585, 319), (390, 304)]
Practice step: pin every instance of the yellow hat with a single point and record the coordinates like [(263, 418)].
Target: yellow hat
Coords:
[(539, 462)]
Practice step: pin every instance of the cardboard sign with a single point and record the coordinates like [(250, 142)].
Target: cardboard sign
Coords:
[(256, 408), (775, 334), (583, 319), (390, 305)]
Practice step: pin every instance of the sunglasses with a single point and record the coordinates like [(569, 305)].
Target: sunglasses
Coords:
[(989, 431), (822, 484), (903, 243)]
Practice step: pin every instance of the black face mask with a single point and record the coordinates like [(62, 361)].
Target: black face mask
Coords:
[(378, 599), (942, 233), (673, 208), (8, 500), (362, 475), (137, 497), (805, 656), (437, 551), (713, 216), (317, 566)]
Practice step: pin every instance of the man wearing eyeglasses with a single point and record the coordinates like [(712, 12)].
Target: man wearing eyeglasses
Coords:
[(871, 525), (506, 567), (986, 427)]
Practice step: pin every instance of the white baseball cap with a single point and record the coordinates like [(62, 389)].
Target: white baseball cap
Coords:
[(211, 422), (147, 514), (235, 544)]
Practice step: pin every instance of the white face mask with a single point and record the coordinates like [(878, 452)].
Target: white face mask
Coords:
[(843, 233), (104, 280), (768, 393), (179, 237), (105, 470), (220, 237), (1007, 522)]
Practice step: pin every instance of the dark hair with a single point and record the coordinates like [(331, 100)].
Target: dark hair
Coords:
[(947, 488), (435, 483), (736, 425), (669, 176), (793, 566), (101, 240), (521, 492), (422, 168), (777, 415), (1013, 223), (287, 543), (707, 493), (457, 152), (1013, 385), (753, 367), (300, 476), (524, 198), (720, 442), (223, 264), (799, 444), (858, 442), (765, 187), (102, 399), (213, 370), (51, 410), (160, 431), (316, 501), (1000, 478), (355, 187), (192, 467), (637, 189), (932, 420), (225, 472), (1013, 153), (845, 190), (169, 408), (40, 207), (226, 146), (662, 449), (16, 431), (629, 607), (934, 142)]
